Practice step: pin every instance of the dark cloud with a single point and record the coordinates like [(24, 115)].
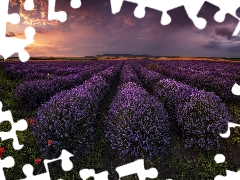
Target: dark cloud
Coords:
[(224, 32), (238, 12), (180, 18), (227, 33), (235, 48), (208, 12), (212, 45)]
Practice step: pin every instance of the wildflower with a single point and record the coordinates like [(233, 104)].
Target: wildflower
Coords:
[(49, 142), (37, 161), (31, 121), (1, 151)]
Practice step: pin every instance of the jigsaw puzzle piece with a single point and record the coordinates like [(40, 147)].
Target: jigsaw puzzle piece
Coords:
[(230, 175), (182, 20), (227, 134), (29, 5), (5, 17), (28, 171), (57, 174), (7, 162), (137, 167), (10, 45), (153, 4), (87, 173), (75, 4), (227, 7), (236, 89), (192, 8), (13, 45), (208, 12), (60, 15), (53, 15), (56, 171), (66, 165), (21, 125), (219, 158)]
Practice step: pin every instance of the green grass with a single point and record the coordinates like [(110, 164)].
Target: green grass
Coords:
[(235, 109)]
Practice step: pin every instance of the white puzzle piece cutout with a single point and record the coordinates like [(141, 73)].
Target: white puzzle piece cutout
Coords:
[(11, 45), (192, 8), (7, 162), (67, 165), (21, 125), (87, 173), (137, 167)]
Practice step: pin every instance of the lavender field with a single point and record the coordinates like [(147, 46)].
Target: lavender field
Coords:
[(109, 113)]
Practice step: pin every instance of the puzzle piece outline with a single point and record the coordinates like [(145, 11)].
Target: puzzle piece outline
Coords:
[(7, 162), (11, 45), (192, 8), (218, 16), (67, 165), (21, 125)]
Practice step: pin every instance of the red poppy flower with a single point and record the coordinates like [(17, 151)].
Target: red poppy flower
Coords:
[(49, 142), (1, 151), (37, 161), (31, 121)]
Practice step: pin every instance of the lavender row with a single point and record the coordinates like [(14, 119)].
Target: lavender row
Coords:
[(148, 77), (34, 93), (19, 70), (200, 115), (210, 76), (128, 74), (68, 119), (60, 72), (137, 123)]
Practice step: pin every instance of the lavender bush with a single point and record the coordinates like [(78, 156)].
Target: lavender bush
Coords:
[(128, 74), (201, 115), (68, 119), (137, 123), (34, 93), (202, 118)]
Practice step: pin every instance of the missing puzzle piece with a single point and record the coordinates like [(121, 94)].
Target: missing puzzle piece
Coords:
[(227, 133), (236, 89), (230, 175), (137, 167), (219, 158), (21, 125), (7, 162), (67, 165), (87, 173), (192, 8), (227, 7), (10, 45)]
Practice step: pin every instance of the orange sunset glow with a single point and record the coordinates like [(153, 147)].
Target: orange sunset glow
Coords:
[(93, 29)]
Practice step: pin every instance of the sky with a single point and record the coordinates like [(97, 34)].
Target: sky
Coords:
[(94, 30)]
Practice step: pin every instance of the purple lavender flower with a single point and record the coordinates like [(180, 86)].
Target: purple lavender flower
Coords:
[(137, 123)]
